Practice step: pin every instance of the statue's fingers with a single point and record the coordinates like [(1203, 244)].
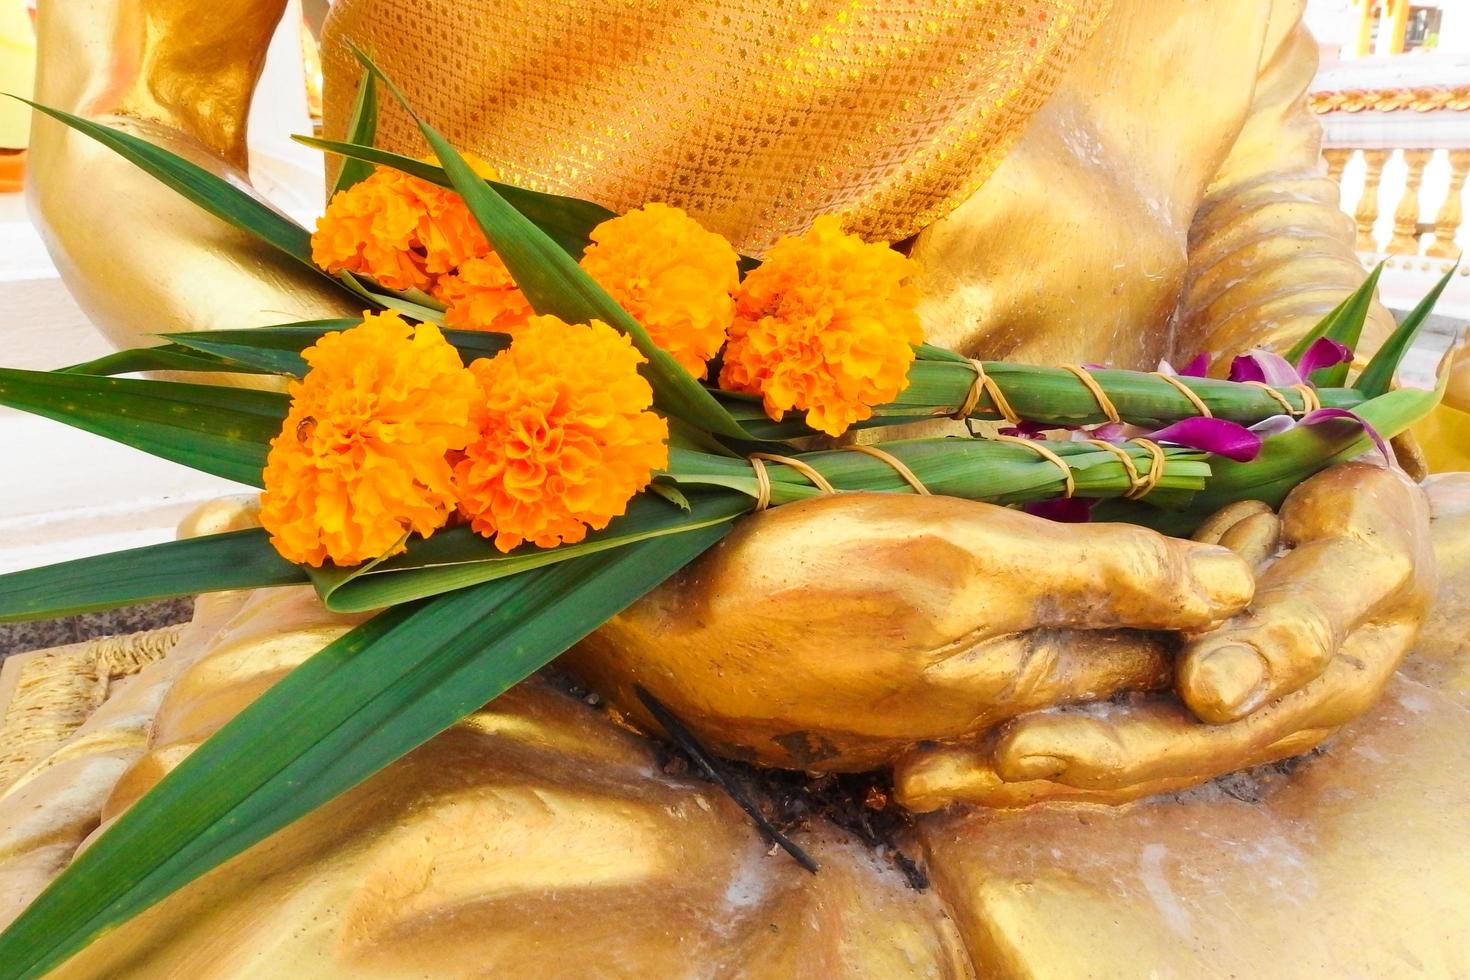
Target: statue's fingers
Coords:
[(1022, 672), (1107, 576), (1250, 528), (932, 777), (1352, 563), (1221, 521), (1115, 746)]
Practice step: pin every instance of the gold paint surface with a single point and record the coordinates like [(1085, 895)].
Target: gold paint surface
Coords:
[(1349, 863)]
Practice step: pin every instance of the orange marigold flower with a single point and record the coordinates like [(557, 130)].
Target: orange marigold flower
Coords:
[(481, 295), (672, 275), (827, 325), (398, 230), (565, 439), (361, 460)]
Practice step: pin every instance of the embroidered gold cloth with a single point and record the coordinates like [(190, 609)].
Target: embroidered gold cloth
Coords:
[(754, 115)]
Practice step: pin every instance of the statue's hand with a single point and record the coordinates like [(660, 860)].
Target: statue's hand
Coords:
[(838, 633), (1331, 619)]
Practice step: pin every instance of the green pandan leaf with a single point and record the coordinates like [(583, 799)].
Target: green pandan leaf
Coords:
[(212, 563), (367, 699), (1344, 325), (1377, 377), (166, 357), (362, 127), (214, 429)]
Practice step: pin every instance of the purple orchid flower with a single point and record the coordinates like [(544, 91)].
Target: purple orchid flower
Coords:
[(1198, 367), (1219, 436), (1324, 353), (1264, 366), (1273, 369)]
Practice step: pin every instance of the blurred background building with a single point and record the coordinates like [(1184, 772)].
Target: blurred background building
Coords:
[(1393, 94)]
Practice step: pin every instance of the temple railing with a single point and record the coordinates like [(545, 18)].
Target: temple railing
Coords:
[(1397, 139)]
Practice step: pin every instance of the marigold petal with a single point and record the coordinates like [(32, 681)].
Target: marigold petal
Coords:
[(672, 275), (361, 459), (565, 435), (827, 325)]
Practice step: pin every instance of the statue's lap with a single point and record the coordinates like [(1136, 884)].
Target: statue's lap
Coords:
[(538, 836)]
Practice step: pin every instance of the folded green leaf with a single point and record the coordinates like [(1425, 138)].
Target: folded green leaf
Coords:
[(567, 221), (211, 192), (422, 307), (214, 429), (364, 701), (458, 557), (1344, 325), (1377, 377), (362, 127), (553, 282), (212, 563)]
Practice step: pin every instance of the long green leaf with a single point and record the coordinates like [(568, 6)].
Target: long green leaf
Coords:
[(278, 349), (555, 284), (362, 127), (214, 429), (458, 558), (212, 563), (166, 357), (568, 221), (213, 193), (1377, 377), (364, 701), (1344, 325)]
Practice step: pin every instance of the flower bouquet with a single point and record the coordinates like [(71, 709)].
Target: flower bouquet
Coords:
[(546, 410)]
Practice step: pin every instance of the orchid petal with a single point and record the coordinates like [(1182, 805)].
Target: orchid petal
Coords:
[(1109, 432), (1273, 426), (1329, 414), (1262, 365), (1324, 353), (1064, 510), (1219, 436), (1198, 367)]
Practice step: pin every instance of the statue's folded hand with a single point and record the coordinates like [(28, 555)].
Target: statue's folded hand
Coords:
[(840, 633), (1332, 617)]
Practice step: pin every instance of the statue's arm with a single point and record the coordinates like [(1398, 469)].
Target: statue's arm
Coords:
[(138, 257), (1270, 251)]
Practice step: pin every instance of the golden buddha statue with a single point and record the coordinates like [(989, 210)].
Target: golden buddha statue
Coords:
[(1080, 181)]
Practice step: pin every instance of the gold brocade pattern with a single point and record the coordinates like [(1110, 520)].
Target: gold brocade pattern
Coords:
[(754, 115)]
